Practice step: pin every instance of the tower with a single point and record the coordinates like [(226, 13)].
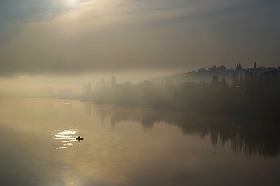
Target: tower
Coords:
[(113, 81)]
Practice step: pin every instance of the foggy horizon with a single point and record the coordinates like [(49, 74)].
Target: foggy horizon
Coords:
[(34, 85)]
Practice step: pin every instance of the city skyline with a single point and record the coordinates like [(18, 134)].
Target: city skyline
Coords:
[(39, 86)]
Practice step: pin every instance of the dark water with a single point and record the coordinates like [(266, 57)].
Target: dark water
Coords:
[(131, 146)]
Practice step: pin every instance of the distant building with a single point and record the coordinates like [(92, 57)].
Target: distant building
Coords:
[(221, 69), (89, 88), (127, 83), (238, 67), (202, 70), (113, 81), (212, 69)]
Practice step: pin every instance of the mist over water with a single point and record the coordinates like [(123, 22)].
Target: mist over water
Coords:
[(131, 146), (38, 85)]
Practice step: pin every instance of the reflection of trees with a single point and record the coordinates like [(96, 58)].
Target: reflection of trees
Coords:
[(117, 114), (248, 136), (251, 137), (261, 138), (103, 111), (143, 115), (88, 107)]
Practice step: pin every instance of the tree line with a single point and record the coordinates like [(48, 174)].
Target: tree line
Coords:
[(249, 95)]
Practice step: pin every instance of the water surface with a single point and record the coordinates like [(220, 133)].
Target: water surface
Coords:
[(131, 146)]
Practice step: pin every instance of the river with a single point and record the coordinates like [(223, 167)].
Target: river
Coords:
[(131, 146)]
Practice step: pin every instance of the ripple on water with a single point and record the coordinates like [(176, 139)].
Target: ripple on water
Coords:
[(66, 137)]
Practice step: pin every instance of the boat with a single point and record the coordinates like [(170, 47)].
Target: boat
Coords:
[(79, 138)]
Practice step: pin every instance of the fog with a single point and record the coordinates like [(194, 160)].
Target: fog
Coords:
[(36, 85)]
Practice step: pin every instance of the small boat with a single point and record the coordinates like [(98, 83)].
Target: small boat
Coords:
[(79, 138)]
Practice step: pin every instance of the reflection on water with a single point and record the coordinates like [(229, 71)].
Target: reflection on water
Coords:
[(250, 137), (130, 146), (66, 137), (26, 159), (66, 102)]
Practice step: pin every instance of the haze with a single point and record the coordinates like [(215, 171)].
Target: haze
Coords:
[(71, 42)]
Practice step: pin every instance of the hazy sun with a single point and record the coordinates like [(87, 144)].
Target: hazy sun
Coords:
[(72, 1)]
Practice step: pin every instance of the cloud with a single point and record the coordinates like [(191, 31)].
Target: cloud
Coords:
[(15, 14), (128, 35)]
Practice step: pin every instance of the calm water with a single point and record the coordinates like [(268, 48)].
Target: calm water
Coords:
[(130, 146)]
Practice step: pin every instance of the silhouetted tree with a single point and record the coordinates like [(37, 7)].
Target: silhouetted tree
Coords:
[(215, 83)]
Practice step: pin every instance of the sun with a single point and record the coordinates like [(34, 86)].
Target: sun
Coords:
[(72, 1)]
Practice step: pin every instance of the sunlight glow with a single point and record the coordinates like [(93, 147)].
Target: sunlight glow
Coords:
[(66, 137), (72, 1)]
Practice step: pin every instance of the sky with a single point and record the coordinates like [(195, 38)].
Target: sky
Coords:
[(69, 41)]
